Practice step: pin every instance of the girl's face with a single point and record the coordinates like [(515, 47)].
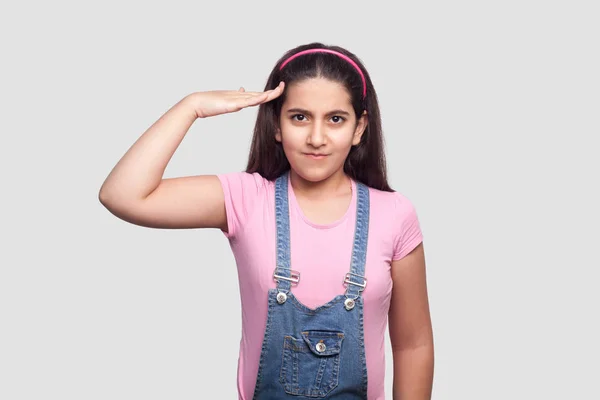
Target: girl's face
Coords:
[(318, 127)]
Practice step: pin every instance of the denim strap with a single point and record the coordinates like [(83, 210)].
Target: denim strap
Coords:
[(359, 247), (282, 218)]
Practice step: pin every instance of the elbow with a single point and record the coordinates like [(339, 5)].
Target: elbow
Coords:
[(104, 197), (112, 201), (123, 206), (410, 341), (109, 202), (115, 205)]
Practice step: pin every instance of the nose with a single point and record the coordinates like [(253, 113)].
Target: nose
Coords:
[(317, 136)]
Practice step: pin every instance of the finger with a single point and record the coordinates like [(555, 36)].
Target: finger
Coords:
[(249, 99), (258, 98), (274, 93), (255, 100), (278, 88), (254, 95), (245, 95)]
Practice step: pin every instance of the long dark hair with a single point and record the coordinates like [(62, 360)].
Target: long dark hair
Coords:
[(366, 161)]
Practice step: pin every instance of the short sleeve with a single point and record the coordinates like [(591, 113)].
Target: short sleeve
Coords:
[(241, 191), (407, 226)]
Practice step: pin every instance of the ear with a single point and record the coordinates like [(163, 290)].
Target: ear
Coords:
[(278, 135), (361, 126)]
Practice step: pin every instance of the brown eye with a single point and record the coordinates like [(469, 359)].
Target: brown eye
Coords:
[(337, 119), (298, 117)]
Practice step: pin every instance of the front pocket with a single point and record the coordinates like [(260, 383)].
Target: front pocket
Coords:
[(311, 364)]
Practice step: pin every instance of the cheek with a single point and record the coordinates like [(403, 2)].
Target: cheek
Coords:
[(292, 137), (343, 140), (290, 145)]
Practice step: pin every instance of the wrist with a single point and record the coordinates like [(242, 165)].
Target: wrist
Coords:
[(191, 102)]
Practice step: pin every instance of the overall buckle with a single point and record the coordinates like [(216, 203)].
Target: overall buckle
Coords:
[(294, 276), (362, 285), (349, 303)]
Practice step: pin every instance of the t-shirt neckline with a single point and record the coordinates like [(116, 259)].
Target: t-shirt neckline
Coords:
[(294, 202)]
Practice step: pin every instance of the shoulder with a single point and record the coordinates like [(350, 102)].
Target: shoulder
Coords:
[(243, 192), (244, 186), (244, 179), (397, 215), (391, 203)]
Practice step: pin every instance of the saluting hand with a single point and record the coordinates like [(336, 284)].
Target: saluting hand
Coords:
[(211, 103)]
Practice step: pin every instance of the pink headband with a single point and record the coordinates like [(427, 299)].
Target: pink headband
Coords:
[(345, 57)]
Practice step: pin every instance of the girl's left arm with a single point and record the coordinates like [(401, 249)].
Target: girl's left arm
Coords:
[(410, 329)]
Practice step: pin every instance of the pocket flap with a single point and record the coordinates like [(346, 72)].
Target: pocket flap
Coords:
[(323, 343)]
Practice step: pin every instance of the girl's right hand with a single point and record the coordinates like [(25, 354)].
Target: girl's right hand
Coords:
[(208, 104)]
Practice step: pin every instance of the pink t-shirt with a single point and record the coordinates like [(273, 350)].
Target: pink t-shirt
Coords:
[(321, 253)]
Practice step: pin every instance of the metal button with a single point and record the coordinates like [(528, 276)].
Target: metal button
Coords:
[(320, 347), (281, 297), (349, 304)]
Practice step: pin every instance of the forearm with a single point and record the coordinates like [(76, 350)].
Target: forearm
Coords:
[(141, 169), (413, 373)]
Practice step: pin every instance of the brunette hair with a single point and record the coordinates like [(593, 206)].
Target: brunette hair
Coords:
[(366, 161)]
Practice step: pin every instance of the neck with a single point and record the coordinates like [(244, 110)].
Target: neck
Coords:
[(336, 184)]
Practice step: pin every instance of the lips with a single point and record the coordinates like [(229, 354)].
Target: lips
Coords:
[(315, 156)]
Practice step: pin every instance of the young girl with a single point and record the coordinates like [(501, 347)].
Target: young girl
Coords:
[(326, 251)]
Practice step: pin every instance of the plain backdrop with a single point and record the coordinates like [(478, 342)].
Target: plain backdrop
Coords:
[(490, 113)]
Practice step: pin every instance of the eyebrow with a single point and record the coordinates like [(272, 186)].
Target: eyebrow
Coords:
[(306, 112)]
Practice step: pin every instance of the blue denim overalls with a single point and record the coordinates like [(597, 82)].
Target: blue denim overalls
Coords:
[(316, 353)]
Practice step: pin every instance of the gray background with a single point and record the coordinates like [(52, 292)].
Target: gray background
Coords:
[(490, 111)]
